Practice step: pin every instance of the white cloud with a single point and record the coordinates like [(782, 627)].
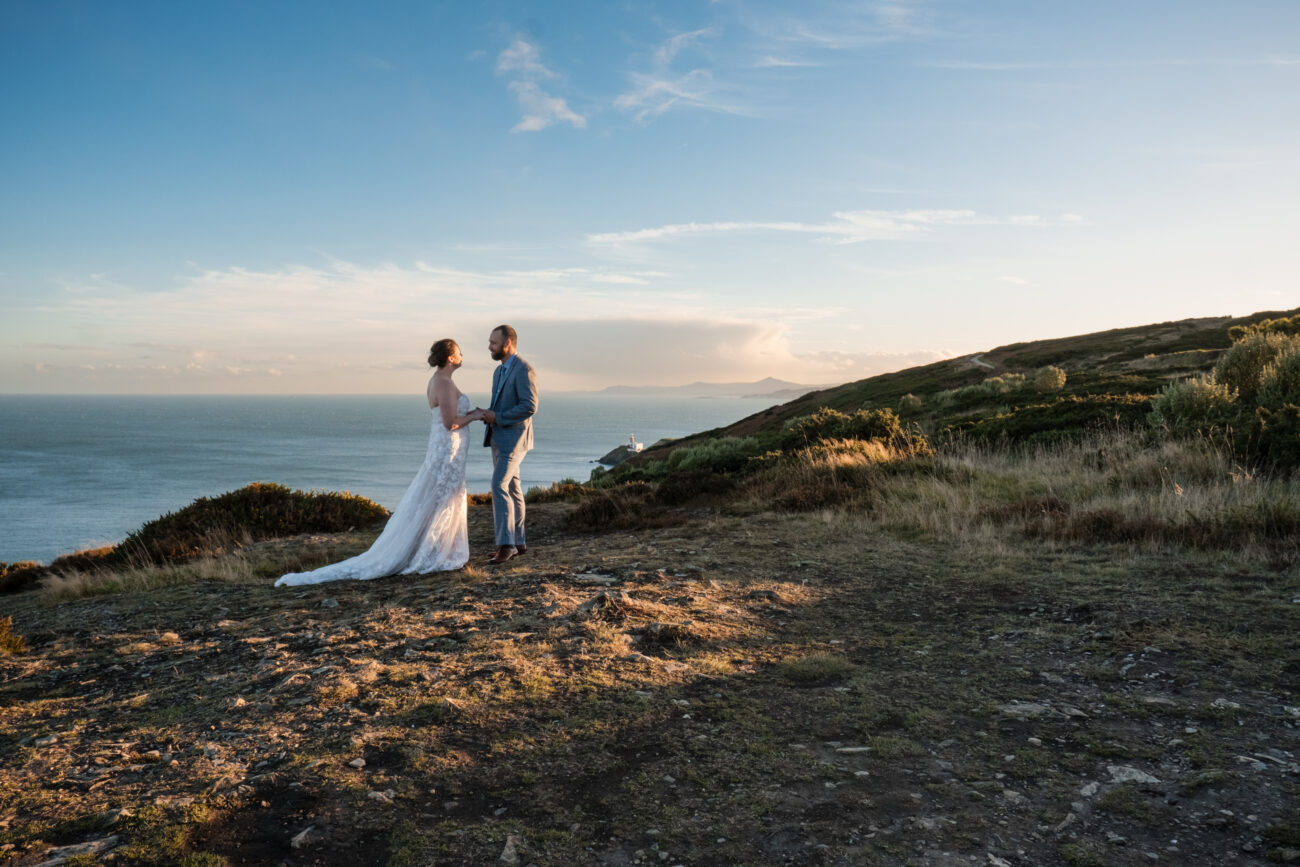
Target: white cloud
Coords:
[(847, 227), (344, 327), (522, 62)]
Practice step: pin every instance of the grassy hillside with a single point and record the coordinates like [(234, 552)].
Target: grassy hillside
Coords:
[(1135, 361)]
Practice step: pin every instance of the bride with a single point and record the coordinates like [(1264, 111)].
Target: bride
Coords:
[(427, 532)]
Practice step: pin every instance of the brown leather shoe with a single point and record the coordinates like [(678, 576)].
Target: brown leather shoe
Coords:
[(503, 554), (522, 549)]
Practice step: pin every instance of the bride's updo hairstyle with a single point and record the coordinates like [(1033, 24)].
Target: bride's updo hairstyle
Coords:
[(441, 351)]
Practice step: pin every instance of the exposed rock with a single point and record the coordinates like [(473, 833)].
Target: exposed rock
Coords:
[(510, 852), (308, 836), (329, 602), (90, 847), (1025, 709), (1126, 774)]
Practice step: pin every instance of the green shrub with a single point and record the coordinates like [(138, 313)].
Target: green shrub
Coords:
[(909, 403), (1199, 405), (261, 510), (1253, 395), (1283, 325), (1243, 367), (563, 491), (1049, 379), (724, 455), (1065, 418), (994, 386), (880, 425)]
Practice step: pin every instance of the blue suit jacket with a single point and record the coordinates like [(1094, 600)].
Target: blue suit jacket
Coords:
[(516, 401)]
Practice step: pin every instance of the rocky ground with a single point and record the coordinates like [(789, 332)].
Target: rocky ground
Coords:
[(736, 689)]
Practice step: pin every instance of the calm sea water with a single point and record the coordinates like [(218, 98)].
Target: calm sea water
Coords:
[(77, 472)]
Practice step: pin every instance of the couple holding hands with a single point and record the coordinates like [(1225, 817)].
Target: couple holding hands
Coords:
[(427, 531)]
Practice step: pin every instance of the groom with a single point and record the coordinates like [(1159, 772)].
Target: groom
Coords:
[(509, 419)]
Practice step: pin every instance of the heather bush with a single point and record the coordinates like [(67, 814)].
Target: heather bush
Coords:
[(563, 491), (687, 485), (258, 511), (724, 455), (880, 425), (629, 506), (1049, 379), (1065, 418)]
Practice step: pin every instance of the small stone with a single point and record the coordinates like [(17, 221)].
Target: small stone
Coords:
[(90, 847), (852, 751), (510, 852), (46, 741), (385, 796), (329, 602), (1115, 839), (1090, 789), (308, 836), (1024, 709), (1126, 774), (357, 763)]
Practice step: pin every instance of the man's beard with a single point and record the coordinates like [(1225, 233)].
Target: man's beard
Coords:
[(497, 355)]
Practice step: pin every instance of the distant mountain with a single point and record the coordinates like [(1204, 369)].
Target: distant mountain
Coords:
[(769, 387)]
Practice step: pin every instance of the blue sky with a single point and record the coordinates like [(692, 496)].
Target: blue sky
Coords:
[(301, 196)]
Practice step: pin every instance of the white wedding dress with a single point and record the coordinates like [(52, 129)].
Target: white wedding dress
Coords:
[(427, 531)]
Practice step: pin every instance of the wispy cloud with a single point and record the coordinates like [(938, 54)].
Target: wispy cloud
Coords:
[(354, 328), (847, 227), (848, 26), (521, 62), (1133, 63), (663, 88)]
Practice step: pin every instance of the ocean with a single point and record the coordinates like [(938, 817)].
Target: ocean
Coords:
[(82, 471)]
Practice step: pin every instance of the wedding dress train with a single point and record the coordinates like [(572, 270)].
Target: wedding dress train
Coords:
[(427, 531)]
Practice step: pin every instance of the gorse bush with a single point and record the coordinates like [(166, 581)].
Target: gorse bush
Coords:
[(994, 386), (1253, 396), (879, 425), (259, 511), (1049, 379), (1199, 405), (1244, 367), (211, 526), (10, 641), (1283, 325), (725, 454)]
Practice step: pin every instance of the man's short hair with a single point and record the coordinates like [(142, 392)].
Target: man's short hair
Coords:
[(508, 333)]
